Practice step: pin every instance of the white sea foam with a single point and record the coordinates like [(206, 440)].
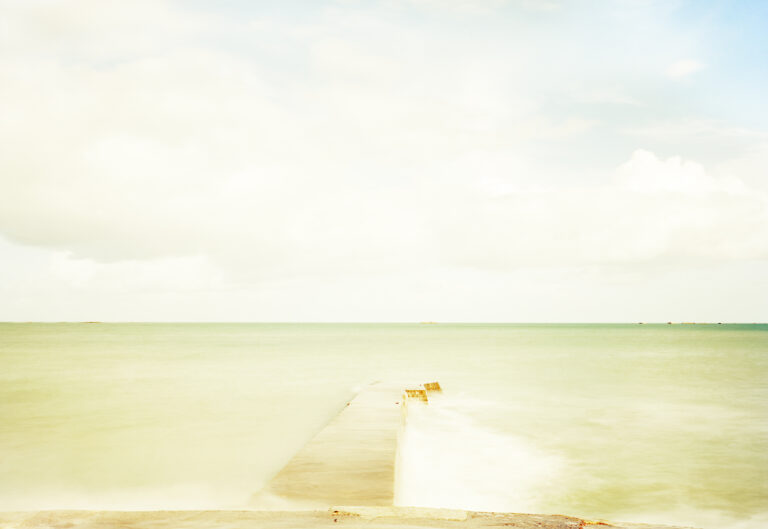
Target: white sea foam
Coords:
[(448, 459)]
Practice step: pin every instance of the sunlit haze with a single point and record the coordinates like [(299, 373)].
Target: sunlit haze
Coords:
[(393, 160)]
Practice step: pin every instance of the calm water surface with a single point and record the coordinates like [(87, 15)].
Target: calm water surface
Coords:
[(665, 423)]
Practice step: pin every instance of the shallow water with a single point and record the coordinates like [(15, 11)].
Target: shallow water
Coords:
[(647, 423)]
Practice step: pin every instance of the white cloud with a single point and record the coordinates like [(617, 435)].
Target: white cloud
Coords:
[(646, 173), (751, 166), (684, 68), (652, 210)]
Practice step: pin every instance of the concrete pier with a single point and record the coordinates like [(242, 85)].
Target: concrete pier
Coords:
[(352, 460)]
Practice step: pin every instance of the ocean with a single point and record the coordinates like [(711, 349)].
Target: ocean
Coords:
[(647, 423)]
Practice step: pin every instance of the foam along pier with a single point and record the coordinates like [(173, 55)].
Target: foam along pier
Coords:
[(352, 461)]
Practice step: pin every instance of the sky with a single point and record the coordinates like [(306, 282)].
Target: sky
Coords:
[(384, 160)]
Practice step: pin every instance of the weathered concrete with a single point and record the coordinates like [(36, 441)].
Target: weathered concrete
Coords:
[(352, 460), (350, 517)]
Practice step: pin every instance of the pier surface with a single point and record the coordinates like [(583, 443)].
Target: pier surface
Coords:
[(352, 460)]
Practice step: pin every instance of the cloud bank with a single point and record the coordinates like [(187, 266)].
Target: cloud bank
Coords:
[(211, 150)]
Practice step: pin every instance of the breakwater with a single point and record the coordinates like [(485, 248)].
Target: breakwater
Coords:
[(353, 460)]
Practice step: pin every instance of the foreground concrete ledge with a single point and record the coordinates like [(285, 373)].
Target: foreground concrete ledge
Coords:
[(347, 516)]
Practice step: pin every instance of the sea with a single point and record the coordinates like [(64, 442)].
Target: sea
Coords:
[(646, 423)]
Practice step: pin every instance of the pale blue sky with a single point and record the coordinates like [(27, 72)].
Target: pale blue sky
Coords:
[(489, 160)]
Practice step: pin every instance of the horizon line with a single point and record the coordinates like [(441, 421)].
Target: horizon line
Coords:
[(424, 322)]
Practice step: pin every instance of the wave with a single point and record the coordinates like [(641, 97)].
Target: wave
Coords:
[(448, 459)]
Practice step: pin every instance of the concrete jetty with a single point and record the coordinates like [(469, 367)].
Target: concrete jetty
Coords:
[(353, 460)]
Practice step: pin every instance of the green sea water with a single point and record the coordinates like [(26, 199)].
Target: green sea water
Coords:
[(658, 423)]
